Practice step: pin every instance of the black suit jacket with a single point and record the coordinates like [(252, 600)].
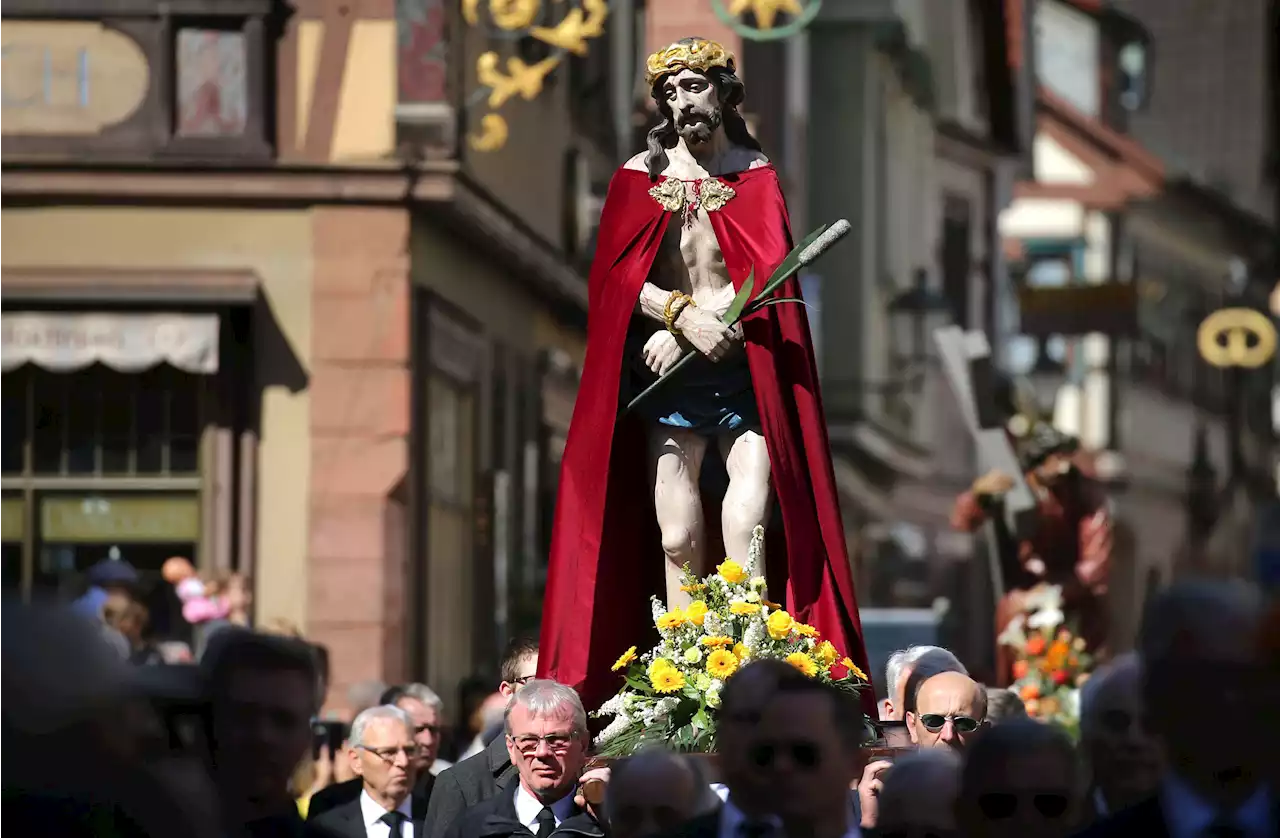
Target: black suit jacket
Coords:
[(1146, 820), (496, 818), (474, 780), (338, 794), (347, 821), (703, 826)]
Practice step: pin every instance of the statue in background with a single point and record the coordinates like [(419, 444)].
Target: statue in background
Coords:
[(683, 226), (1072, 543)]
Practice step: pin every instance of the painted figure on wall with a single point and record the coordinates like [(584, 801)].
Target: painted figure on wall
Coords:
[(684, 224), (1072, 542)]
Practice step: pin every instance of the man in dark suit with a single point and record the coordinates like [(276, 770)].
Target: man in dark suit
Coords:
[(383, 755), (745, 813), (479, 777), (547, 740), (1200, 666), (426, 733)]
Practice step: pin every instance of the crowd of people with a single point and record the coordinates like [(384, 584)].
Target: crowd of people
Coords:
[(1177, 738)]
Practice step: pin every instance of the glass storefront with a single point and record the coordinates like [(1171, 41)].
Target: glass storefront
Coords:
[(98, 463)]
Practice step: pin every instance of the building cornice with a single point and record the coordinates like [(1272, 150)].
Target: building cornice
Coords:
[(439, 188)]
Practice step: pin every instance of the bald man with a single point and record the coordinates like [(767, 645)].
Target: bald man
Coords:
[(945, 710)]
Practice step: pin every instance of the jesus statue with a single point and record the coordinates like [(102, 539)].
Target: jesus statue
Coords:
[(684, 224)]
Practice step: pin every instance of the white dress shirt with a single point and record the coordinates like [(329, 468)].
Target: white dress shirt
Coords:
[(1188, 815), (529, 807), (371, 811)]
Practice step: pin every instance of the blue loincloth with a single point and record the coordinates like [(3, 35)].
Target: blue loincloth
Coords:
[(706, 396)]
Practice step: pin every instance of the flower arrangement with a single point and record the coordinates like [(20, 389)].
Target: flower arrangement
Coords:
[(672, 692), (1052, 661)]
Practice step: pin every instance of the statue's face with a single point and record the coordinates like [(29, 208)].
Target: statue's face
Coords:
[(694, 104)]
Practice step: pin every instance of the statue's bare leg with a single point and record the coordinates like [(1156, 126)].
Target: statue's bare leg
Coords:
[(677, 462), (746, 503)]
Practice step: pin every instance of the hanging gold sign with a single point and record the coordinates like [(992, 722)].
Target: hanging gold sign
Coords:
[(1224, 338)]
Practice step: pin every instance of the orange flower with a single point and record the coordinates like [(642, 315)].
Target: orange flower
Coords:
[(1035, 645), (1020, 669), (1029, 692)]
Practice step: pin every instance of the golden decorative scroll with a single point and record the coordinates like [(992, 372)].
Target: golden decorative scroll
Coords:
[(570, 35), (765, 10)]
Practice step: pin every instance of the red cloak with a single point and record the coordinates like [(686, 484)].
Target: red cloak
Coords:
[(606, 554)]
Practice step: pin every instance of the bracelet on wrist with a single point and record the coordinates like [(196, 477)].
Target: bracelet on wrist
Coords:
[(676, 303)]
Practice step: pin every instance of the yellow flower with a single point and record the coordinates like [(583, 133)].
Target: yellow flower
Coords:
[(671, 619), (803, 662), (779, 625), (743, 608), (719, 640), (660, 664), (692, 589), (805, 630), (741, 652), (853, 669), (627, 657), (696, 612), (721, 664), (666, 679), (731, 572), (825, 653)]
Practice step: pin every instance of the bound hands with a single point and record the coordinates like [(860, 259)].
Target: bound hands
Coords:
[(707, 332)]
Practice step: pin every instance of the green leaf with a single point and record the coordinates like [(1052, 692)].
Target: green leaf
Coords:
[(740, 299), (760, 304)]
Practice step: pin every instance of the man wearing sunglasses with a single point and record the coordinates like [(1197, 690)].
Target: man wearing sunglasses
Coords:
[(385, 757), (806, 751), (945, 710)]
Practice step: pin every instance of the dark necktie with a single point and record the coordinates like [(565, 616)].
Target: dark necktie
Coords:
[(546, 822), (1223, 828), (394, 821)]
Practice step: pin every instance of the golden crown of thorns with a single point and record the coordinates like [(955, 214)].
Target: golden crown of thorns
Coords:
[(700, 55)]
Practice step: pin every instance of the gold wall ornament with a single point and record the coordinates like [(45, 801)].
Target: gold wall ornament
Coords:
[(700, 55), (765, 10), (571, 33), (493, 133), (580, 24), (1223, 338), (521, 79)]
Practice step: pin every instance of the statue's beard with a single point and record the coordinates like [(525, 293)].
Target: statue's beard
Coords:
[(696, 128)]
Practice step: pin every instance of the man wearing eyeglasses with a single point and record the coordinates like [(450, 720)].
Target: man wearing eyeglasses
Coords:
[(945, 710), (547, 740), (424, 709), (384, 755)]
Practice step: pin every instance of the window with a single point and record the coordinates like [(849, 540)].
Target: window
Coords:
[(212, 89), (97, 422)]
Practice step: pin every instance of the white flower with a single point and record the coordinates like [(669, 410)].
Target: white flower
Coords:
[(613, 729), (713, 693), (755, 552), (692, 655), (753, 596), (712, 626), (1043, 597), (657, 607), (614, 706), (1014, 634), (757, 582), (1046, 618), (1070, 703), (754, 636), (663, 708)]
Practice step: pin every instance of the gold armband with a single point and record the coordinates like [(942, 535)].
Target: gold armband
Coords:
[(675, 304)]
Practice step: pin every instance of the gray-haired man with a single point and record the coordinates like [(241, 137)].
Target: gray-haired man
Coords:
[(384, 756), (423, 708), (548, 740)]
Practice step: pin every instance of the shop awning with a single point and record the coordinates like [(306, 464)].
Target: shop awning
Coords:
[(62, 342)]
